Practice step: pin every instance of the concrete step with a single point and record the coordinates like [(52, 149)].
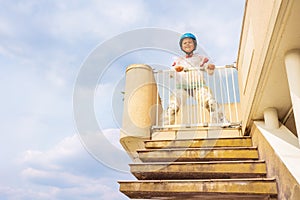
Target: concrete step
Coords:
[(197, 143), (258, 188), (198, 154), (194, 133), (199, 170)]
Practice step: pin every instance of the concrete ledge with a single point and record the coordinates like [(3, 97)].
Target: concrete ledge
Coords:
[(198, 154), (280, 149), (131, 144), (190, 133), (198, 143), (260, 188), (199, 170)]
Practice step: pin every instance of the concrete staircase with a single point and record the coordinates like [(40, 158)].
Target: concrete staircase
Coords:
[(203, 168)]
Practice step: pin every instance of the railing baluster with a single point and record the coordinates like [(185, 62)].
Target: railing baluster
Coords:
[(193, 111), (157, 99), (228, 94), (221, 89), (234, 95)]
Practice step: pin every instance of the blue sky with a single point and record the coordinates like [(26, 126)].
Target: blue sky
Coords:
[(43, 46)]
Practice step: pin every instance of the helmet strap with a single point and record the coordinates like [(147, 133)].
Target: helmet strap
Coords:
[(188, 53)]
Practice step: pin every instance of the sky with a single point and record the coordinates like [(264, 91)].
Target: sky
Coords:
[(48, 97)]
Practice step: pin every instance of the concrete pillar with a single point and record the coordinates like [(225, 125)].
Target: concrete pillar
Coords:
[(292, 64), (271, 118), (140, 105)]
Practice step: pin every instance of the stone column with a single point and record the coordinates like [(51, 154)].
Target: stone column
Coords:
[(140, 107), (292, 64), (271, 118)]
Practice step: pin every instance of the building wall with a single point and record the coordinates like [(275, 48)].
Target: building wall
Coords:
[(270, 29), (258, 25), (281, 162)]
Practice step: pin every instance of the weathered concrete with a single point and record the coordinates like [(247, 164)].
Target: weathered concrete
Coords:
[(198, 154), (280, 150), (199, 170), (140, 103), (211, 168), (214, 189), (198, 143), (180, 132)]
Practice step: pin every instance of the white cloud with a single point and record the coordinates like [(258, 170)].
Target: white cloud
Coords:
[(13, 193), (66, 149), (34, 106), (124, 14), (113, 135), (97, 19), (83, 189), (69, 171), (216, 25), (43, 44)]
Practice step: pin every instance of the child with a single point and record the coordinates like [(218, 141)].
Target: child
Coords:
[(191, 81)]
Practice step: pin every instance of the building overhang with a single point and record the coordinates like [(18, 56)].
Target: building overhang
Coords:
[(270, 29)]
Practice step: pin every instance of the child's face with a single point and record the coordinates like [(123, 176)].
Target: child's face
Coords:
[(188, 45)]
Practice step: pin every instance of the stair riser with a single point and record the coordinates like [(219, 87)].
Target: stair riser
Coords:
[(198, 155), (199, 171), (184, 189), (199, 143)]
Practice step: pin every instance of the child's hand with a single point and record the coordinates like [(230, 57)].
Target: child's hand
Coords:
[(211, 66), (210, 69), (178, 68)]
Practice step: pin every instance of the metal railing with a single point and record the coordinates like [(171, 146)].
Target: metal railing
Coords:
[(195, 98)]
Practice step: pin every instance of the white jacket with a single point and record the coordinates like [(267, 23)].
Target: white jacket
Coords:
[(193, 69)]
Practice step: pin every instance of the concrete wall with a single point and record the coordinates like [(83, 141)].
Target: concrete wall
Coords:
[(280, 149), (140, 103), (270, 29), (258, 26)]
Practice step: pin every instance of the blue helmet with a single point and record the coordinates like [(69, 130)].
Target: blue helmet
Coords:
[(188, 35)]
